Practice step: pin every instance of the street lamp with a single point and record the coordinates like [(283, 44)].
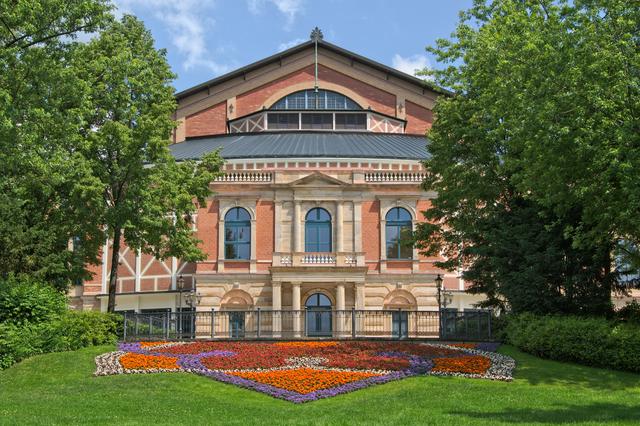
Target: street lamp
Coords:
[(193, 298), (439, 288)]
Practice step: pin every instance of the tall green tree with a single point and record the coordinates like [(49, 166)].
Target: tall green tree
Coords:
[(536, 157), (46, 186), (147, 197)]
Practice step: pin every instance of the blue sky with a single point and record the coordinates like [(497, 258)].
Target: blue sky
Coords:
[(207, 38)]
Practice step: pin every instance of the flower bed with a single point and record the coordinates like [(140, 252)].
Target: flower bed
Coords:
[(305, 371)]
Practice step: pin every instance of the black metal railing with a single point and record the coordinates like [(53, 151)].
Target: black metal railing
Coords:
[(308, 324)]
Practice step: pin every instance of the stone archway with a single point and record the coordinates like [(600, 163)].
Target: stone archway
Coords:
[(236, 299), (400, 299)]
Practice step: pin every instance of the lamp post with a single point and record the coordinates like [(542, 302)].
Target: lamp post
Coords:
[(439, 295), (439, 288)]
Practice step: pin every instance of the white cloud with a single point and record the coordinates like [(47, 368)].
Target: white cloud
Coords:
[(411, 64), (290, 44), (289, 8), (186, 22)]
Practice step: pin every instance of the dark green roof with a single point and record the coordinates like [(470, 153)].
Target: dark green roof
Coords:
[(426, 85), (293, 144)]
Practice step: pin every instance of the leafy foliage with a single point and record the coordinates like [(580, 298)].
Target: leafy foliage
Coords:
[(46, 187), (147, 198), (589, 341), (68, 331), (25, 300), (533, 157)]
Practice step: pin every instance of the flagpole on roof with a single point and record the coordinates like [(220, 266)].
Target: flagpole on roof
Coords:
[(316, 35)]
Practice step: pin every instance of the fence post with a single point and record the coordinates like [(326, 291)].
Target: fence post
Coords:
[(258, 329), (399, 323), (213, 322), (489, 314), (150, 325), (353, 323), (124, 331), (167, 324)]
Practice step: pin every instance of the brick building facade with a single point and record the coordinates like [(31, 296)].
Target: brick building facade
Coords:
[(321, 186)]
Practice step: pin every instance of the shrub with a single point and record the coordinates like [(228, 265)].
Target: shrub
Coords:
[(629, 313), (69, 331), (24, 299), (589, 341)]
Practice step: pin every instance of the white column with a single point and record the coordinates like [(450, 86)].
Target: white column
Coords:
[(276, 305), (341, 316), (357, 229), (253, 262), (220, 241), (339, 227), (295, 305), (297, 237), (359, 296)]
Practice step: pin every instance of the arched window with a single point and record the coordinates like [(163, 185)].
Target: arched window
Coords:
[(398, 231), (310, 99), (237, 234), (318, 300), (317, 231)]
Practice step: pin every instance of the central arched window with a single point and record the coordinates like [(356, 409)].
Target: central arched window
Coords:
[(310, 99), (318, 300), (398, 231), (237, 234), (317, 231)]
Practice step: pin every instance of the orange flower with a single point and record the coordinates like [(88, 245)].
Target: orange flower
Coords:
[(133, 361), (472, 364), (306, 344), (304, 380), (151, 344)]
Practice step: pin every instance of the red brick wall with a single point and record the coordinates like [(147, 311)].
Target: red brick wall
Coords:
[(419, 119), (265, 211), (208, 217), (211, 121), (253, 100), (371, 230)]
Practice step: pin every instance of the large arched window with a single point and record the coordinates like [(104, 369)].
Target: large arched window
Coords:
[(398, 231), (317, 231), (237, 234), (310, 99)]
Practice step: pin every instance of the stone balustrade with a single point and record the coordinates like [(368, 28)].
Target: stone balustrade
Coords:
[(395, 177), (318, 259), (245, 177)]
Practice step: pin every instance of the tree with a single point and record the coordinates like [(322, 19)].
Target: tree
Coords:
[(46, 187), (147, 197), (535, 158)]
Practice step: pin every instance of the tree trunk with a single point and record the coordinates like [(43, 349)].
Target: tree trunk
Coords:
[(113, 277)]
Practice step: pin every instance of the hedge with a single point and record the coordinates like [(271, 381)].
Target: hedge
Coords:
[(68, 331), (590, 341)]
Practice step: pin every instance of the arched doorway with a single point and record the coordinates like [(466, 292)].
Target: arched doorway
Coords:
[(318, 321)]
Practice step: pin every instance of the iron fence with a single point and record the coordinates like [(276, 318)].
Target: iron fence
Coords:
[(308, 324)]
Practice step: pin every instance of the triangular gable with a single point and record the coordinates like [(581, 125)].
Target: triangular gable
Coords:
[(318, 179)]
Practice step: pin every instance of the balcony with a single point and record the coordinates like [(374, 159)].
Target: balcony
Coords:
[(329, 259)]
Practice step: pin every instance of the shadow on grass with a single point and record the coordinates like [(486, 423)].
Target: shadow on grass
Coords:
[(537, 371), (595, 412)]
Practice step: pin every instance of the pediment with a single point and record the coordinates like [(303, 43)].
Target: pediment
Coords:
[(318, 179)]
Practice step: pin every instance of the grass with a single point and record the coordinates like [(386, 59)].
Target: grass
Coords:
[(60, 389)]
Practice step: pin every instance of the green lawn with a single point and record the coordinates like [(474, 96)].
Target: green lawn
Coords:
[(60, 389)]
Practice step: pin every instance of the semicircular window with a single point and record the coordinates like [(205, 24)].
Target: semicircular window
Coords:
[(310, 99)]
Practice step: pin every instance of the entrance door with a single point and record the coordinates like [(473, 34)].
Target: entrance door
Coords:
[(236, 325), (400, 322), (318, 321)]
